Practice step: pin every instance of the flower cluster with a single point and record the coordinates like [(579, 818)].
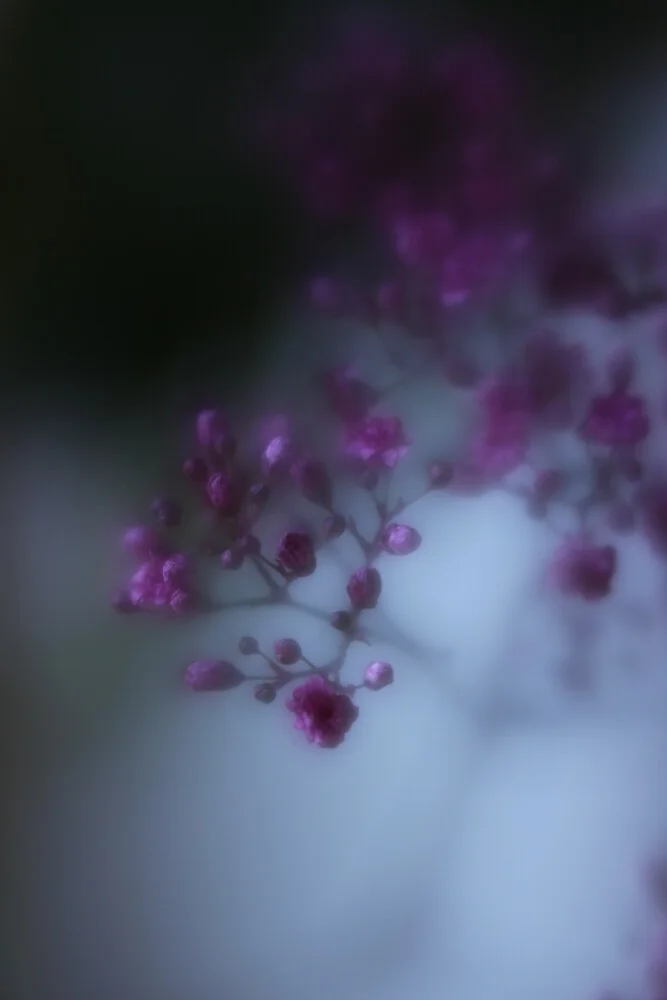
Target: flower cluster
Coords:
[(424, 148)]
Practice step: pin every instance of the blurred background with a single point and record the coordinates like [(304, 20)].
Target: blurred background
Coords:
[(135, 236)]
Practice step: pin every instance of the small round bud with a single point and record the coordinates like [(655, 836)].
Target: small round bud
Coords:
[(287, 652), (224, 494), (248, 645), (232, 558), (334, 526), (378, 675), (400, 539), (440, 474), (167, 512), (195, 469), (342, 621), (314, 481), (265, 692), (213, 675)]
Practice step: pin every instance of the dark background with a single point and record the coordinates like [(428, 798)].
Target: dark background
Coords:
[(132, 231)]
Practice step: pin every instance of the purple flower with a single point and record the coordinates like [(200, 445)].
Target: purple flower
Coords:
[(618, 419), (323, 714), (224, 494), (313, 480), (147, 589), (287, 652), (176, 568), (377, 441), (400, 539), (364, 588), (502, 439), (378, 675), (584, 569), (213, 675), (296, 553)]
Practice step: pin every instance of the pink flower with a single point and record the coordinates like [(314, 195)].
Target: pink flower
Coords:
[(176, 568), (213, 675), (348, 396), (323, 714), (377, 441), (618, 419), (584, 569), (378, 675), (296, 553), (148, 589), (400, 539), (287, 652), (364, 588), (224, 494)]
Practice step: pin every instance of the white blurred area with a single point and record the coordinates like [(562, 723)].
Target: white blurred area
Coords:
[(479, 835)]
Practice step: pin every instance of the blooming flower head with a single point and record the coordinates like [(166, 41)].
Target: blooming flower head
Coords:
[(324, 714), (503, 436), (377, 441), (581, 568), (617, 419)]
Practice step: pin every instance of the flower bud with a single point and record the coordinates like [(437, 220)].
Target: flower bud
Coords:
[(213, 675), (248, 645), (364, 588), (400, 539), (314, 481), (378, 675), (224, 494), (167, 512), (287, 652), (265, 692), (278, 454)]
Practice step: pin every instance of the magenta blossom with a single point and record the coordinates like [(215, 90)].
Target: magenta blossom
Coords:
[(617, 420), (581, 568), (377, 441), (324, 714), (502, 439), (296, 553), (378, 675), (224, 494), (213, 675)]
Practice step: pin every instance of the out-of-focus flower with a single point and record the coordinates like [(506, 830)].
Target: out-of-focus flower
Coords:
[(581, 568), (377, 441)]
